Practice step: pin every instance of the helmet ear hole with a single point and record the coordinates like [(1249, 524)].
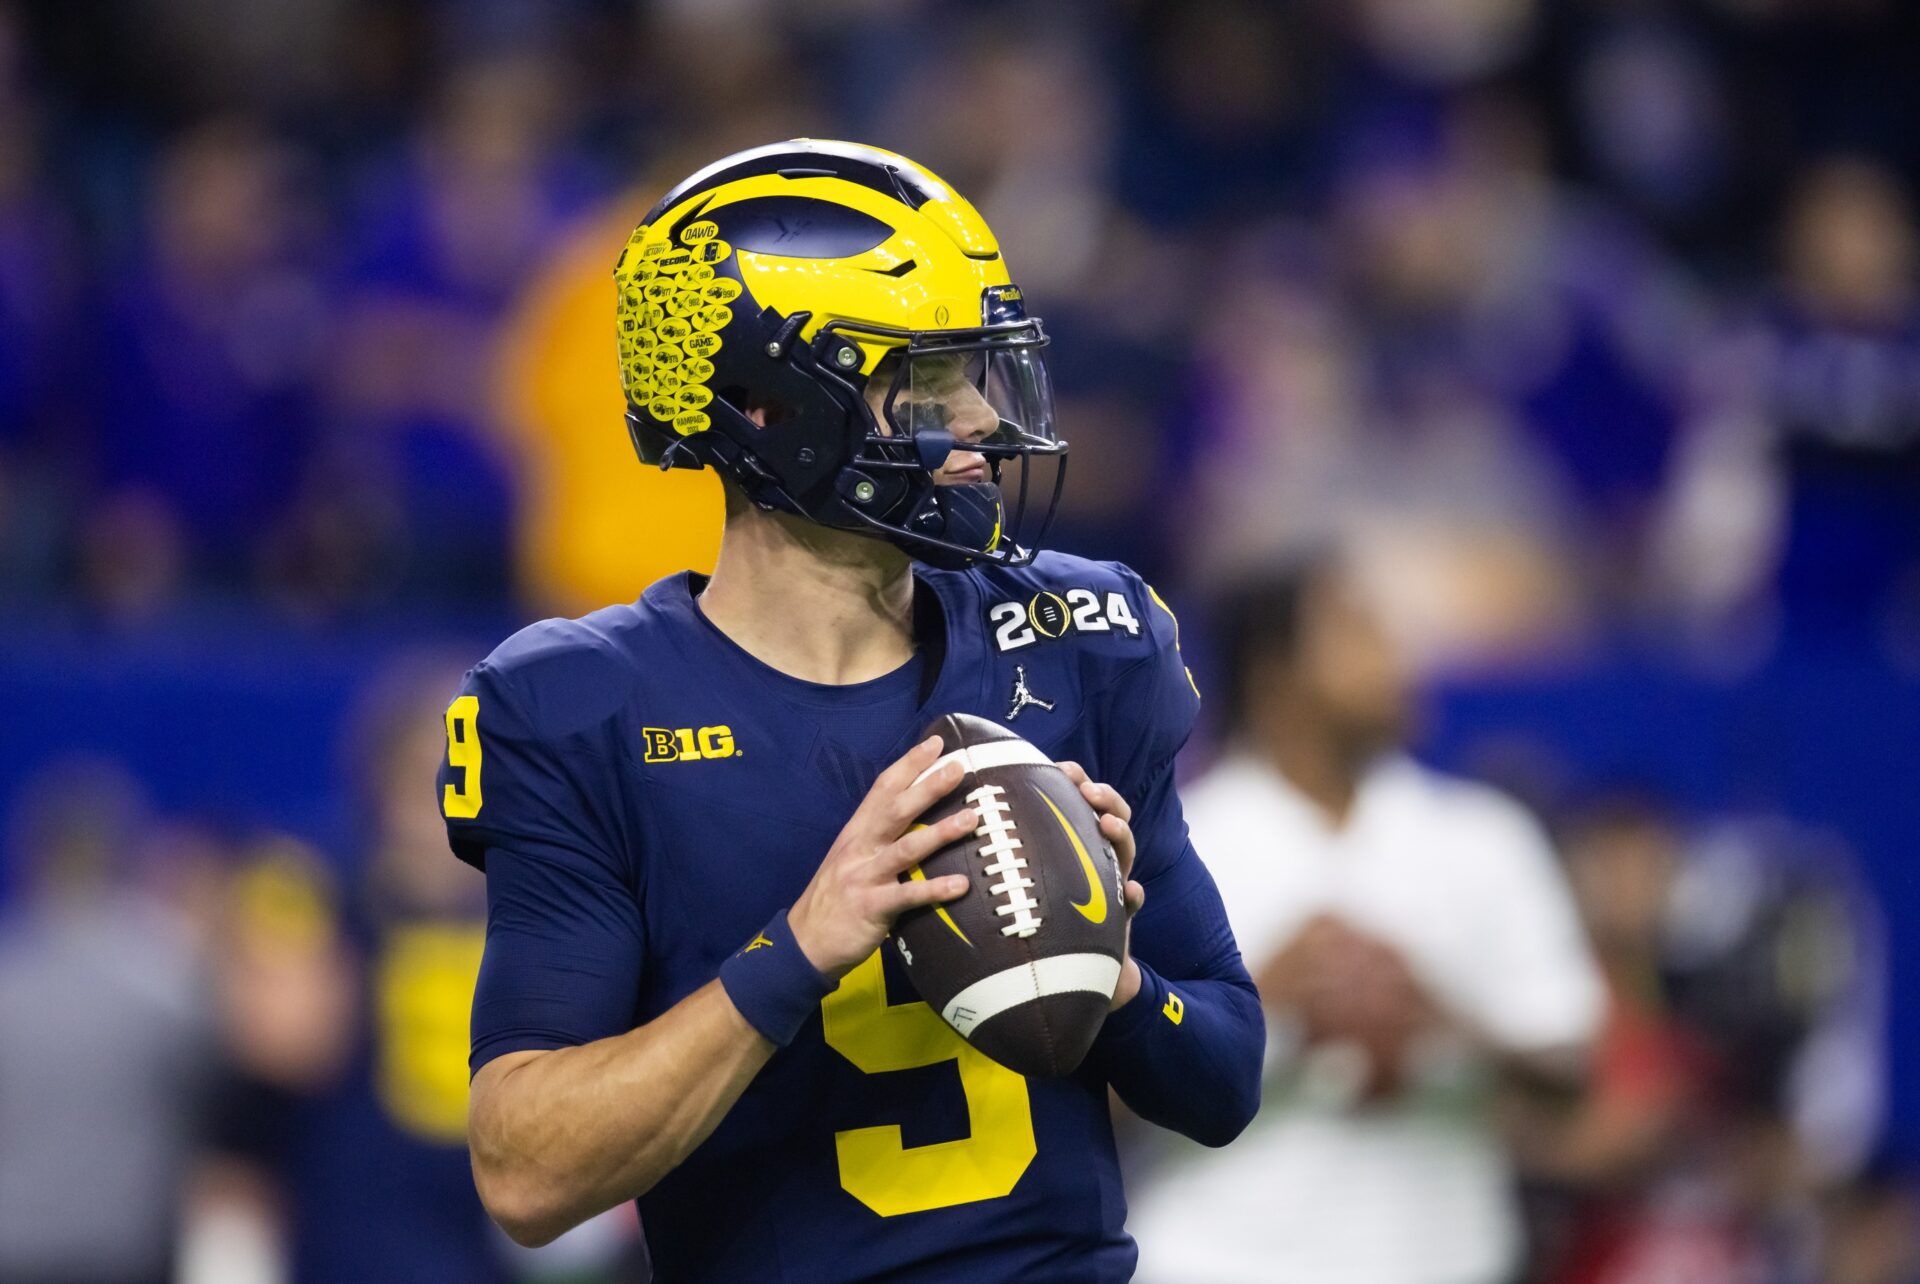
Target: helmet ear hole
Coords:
[(765, 412)]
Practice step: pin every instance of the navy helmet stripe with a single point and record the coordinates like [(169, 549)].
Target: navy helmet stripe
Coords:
[(798, 227)]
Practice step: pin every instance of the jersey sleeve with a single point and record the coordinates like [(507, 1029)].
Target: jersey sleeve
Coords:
[(540, 814), (506, 781), (1186, 1051)]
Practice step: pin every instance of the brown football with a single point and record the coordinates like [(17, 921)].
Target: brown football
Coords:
[(1026, 962)]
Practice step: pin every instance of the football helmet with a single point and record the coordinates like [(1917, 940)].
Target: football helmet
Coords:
[(826, 323)]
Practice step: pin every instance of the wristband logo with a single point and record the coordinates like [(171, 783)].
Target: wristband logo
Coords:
[(688, 744)]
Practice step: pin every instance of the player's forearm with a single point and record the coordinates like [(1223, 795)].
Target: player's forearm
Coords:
[(1553, 1077), (562, 1135), (1186, 1055)]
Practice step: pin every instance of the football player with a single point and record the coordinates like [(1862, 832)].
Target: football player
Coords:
[(696, 812)]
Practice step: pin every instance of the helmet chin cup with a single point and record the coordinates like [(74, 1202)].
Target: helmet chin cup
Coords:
[(944, 526), (973, 514), (952, 525)]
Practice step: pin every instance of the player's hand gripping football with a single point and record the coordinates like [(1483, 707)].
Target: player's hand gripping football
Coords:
[(1116, 816), (855, 895)]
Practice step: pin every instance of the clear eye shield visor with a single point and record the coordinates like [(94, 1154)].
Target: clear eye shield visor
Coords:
[(955, 408)]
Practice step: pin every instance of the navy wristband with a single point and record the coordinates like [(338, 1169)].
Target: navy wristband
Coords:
[(770, 980)]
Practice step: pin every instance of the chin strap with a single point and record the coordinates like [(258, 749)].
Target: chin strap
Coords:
[(667, 457)]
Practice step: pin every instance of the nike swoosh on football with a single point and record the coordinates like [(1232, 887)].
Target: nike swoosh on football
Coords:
[(1095, 909), (919, 875)]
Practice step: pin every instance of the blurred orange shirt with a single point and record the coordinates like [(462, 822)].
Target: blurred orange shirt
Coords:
[(596, 526)]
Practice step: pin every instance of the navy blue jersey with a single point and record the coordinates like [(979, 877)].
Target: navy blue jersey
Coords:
[(644, 796)]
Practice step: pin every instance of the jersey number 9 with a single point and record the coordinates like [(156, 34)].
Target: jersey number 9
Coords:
[(462, 801)]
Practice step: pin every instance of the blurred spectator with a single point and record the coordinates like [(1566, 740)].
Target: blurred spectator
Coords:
[(349, 1018), (41, 308), (1477, 373), (214, 360), (1653, 117), (210, 54), (1873, 1230), (108, 1048), (1417, 954), (1649, 1081), (1738, 1082), (1775, 956), (1842, 394), (1805, 469), (1446, 42), (1646, 1066), (444, 235), (1223, 91)]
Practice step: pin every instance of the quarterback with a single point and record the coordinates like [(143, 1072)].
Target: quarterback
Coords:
[(696, 813)]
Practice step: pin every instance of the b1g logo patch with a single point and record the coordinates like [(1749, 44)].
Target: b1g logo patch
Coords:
[(1053, 615), (686, 744)]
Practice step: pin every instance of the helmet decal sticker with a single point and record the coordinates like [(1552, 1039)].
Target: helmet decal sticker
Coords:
[(672, 308)]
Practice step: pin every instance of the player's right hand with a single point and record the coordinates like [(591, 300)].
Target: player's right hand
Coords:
[(857, 892)]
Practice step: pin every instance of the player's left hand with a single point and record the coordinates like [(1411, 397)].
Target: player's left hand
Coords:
[(1116, 816)]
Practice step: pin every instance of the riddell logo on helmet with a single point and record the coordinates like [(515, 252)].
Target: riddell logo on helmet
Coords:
[(685, 744)]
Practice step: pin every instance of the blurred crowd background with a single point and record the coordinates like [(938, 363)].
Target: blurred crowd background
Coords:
[(1587, 328)]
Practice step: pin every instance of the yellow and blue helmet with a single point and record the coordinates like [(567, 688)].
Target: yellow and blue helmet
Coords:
[(826, 323)]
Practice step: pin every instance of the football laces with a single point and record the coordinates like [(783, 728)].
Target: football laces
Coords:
[(1001, 850)]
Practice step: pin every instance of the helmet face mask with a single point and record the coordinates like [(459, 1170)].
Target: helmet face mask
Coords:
[(817, 282), (980, 392)]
